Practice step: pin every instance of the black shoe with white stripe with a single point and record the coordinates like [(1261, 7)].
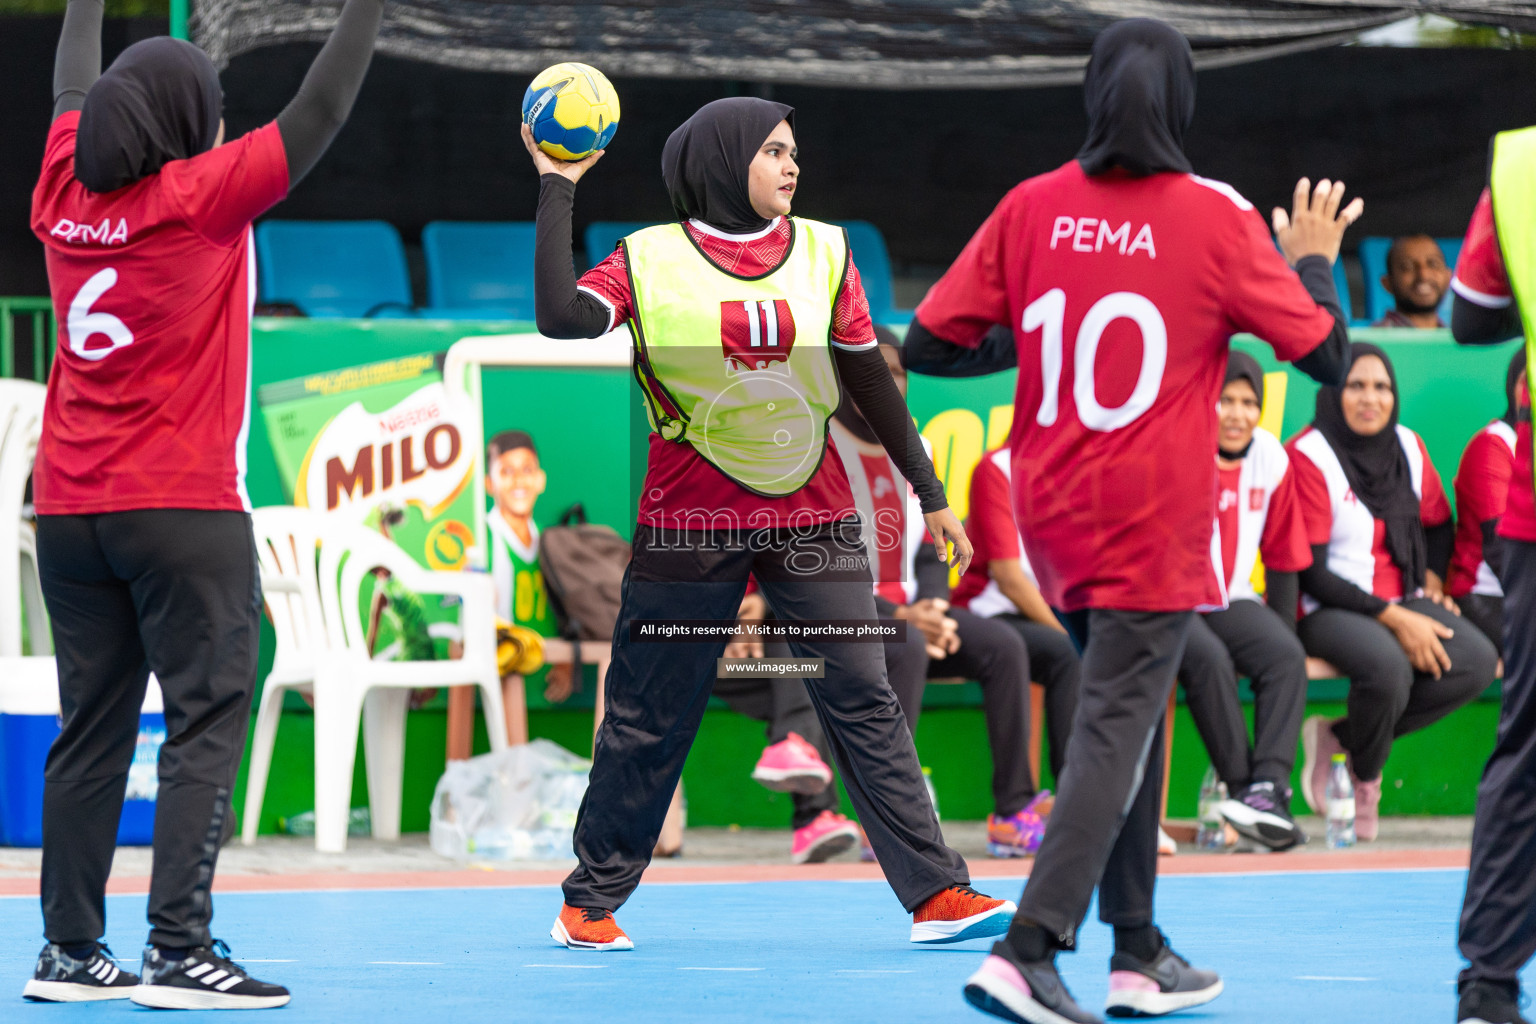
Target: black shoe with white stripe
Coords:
[(203, 980), (60, 978)]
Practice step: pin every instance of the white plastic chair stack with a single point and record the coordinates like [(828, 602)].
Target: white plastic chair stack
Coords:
[(21, 418), (327, 653)]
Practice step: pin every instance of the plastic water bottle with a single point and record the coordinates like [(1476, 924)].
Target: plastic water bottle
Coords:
[(1213, 828), (359, 823), (1341, 805)]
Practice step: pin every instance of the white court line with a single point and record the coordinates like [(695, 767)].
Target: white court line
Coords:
[(719, 968), (407, 963), (1326, 977), (571, 967)]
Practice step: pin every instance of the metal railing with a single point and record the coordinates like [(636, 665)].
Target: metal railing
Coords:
[(27, 329)]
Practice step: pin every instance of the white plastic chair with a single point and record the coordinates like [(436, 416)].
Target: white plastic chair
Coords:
[(21, 420), (324, 649), (287, 541)]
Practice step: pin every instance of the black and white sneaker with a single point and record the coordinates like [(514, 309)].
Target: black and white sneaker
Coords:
[(1260, 813), (60, 978), (1489, 1002), (1166, 983), (204, 980)]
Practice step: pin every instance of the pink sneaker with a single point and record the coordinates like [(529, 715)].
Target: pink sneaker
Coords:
[(1318, 744), (1367, 809), (792, 766), (1019, 834), (828, 835)]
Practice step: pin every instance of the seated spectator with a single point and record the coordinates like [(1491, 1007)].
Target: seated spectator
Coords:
[(797, 760), (1374, 606), (912, 584), (1000, 584), (1258, 515), (1482, 485), (1416, 278)]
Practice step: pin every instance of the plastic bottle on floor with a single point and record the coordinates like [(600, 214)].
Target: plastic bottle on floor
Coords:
[(1213, 831), (359, 823), (1341, 805)]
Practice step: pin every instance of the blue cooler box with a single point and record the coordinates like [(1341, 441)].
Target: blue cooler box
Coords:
[(29, 722)]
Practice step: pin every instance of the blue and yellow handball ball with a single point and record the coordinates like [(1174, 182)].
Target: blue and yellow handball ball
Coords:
[(572, 109)]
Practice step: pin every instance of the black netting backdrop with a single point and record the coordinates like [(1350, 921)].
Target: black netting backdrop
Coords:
[(896, 44)]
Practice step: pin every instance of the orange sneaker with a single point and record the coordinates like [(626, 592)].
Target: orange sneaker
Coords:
[(959, 913), (588, 928)]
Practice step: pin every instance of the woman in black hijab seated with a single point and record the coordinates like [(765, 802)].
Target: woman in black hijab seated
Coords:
[(145, 545), (744, 320), (1373, 601)]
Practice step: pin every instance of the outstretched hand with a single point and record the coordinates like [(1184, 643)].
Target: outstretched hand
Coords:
[(944, 529), (546, 164), (1315, 226)]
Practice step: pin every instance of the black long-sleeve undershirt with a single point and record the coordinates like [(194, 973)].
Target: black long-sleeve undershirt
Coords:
[(1493, 546), (1472, 324), (1282, 590), (559, 308), (926, 353), (317, 111), (563, 311), (77, 62), (1331, 590)]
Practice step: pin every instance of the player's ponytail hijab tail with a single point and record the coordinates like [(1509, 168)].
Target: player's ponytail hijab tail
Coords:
[(159, 101), (1377, 471), (706, 160), (1140, 93)]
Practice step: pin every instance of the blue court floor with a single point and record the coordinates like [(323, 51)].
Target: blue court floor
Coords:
[(1315, 947)]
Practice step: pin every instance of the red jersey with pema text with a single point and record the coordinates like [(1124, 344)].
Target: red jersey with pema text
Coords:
[(1122, 293), (149, 396)]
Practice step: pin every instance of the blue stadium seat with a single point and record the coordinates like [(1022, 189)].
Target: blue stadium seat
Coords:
[(1373, 264), (479, 269), (874, 263), (602, 237), (333, 268)]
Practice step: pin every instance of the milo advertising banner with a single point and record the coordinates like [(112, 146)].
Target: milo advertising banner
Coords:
[(377, 445)]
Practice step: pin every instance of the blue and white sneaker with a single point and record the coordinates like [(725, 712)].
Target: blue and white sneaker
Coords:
[(60, 978)]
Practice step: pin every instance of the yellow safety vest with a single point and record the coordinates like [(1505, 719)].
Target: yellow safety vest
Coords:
[(739, 367), (1512, 187)]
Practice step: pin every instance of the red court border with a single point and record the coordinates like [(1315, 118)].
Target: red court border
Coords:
[(683, 874)]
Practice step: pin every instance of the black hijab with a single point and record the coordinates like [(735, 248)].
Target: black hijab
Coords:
[(1516, 368), (1140, 95), (1377, 470), (159, 101), (1242, 366), (705, 161)]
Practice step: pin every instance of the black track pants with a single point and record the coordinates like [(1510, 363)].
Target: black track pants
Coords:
[(1388, 698), (1103, 828), (1498, 920), (175, 592), (657, 692)]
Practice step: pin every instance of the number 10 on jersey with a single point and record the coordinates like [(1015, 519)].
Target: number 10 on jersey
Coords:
[(1048, 315)]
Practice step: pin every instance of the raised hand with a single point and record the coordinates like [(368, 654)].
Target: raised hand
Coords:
[(1315, 225), (546, 164)]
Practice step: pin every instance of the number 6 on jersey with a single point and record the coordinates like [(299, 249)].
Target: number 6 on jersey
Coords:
[(1048, 314)]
